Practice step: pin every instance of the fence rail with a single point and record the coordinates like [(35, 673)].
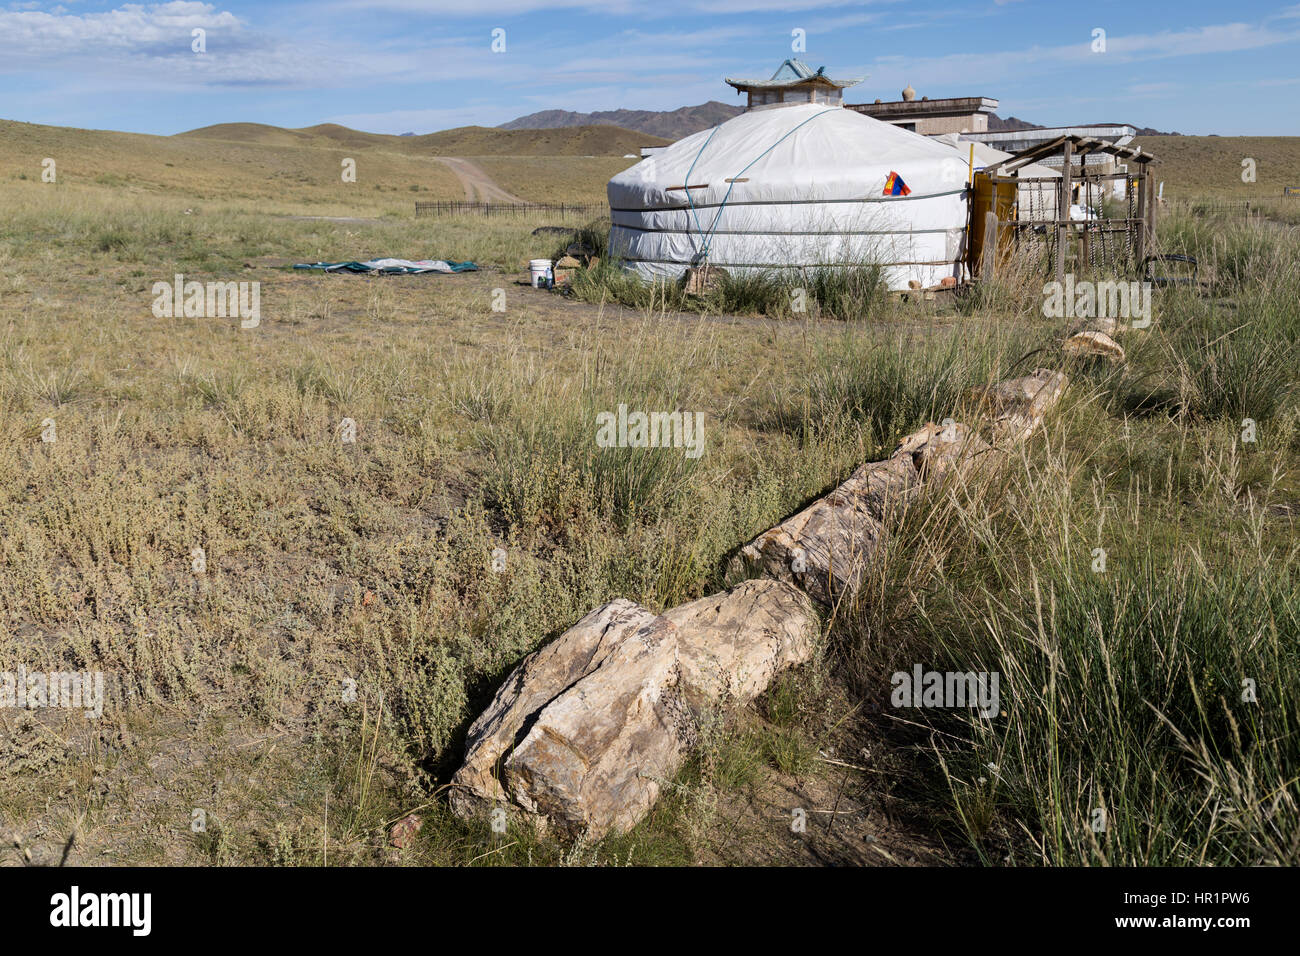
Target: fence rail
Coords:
[(1248, 208), (561, 209)]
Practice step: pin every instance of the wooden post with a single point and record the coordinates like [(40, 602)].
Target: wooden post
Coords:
[(989, 255), (1151, 209), (1063, 210), (1142, 214), (1082, 265)]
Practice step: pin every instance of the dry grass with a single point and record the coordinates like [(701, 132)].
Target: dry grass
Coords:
[(1192, 166), (300, 172), (371, 563), (555, 178), (327, 562)]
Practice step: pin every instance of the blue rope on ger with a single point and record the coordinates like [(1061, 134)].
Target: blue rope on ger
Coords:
[(703, 254)]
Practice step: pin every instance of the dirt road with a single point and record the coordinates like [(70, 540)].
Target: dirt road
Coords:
[(477, 184)]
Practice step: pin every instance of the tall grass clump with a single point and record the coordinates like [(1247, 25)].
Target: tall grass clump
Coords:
[(1232, 345), (1138, 694), (1233, 254), (1014, 290), (546, 470), (751, 292), (850, 291), (592, 236), (538, 434), (608, 282), (855, 291), (1147, 645), (885, 384), (1245, 371)]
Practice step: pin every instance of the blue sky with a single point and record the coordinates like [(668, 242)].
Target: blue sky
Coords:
[(422, 65)]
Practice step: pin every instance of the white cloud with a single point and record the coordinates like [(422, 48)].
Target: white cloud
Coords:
[(1220, 38), (993, 67), (132, 27), (148, 47), (626, 9)]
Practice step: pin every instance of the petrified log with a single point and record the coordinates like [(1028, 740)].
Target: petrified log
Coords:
[(1093, 344), (942, 451), (1102, 323), (825, 548), (731, 645), (585, 731), (1016, 408)]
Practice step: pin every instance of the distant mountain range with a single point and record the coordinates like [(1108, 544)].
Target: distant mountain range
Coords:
[(674, 124), (669, 124), (1012, 123)]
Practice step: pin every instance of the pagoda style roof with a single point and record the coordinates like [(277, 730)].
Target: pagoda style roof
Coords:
[(794, 73)]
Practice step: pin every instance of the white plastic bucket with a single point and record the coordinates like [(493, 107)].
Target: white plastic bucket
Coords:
[(540, 269)]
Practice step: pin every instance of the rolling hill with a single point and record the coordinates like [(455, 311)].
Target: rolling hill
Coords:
[(297, 171), (1211, 165), (670, 124), (597, 140), (674, 124)]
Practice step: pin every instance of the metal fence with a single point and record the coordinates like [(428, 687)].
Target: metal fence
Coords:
[(1246, 208), (560, 209)]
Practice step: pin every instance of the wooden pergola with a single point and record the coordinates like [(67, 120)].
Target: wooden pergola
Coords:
[(1139, 224)]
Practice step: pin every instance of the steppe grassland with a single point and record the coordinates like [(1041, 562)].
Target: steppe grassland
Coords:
[(187, 433), (330, 563), (284, 172)]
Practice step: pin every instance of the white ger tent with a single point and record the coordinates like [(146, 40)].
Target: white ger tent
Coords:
[(791, 186)]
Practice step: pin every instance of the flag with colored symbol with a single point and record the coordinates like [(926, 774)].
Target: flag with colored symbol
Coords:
[(894, 185)]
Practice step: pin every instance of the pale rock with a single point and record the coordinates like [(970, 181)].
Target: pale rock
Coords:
[(538, 680), (701, 280), (944, 450), (731, 645), (585, 732), (825, 547), (1014, 409), (598, 754), (1103, 324), (1089, 344)]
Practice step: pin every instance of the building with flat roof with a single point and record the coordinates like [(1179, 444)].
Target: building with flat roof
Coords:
[(954, 114), (1018, 140)]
